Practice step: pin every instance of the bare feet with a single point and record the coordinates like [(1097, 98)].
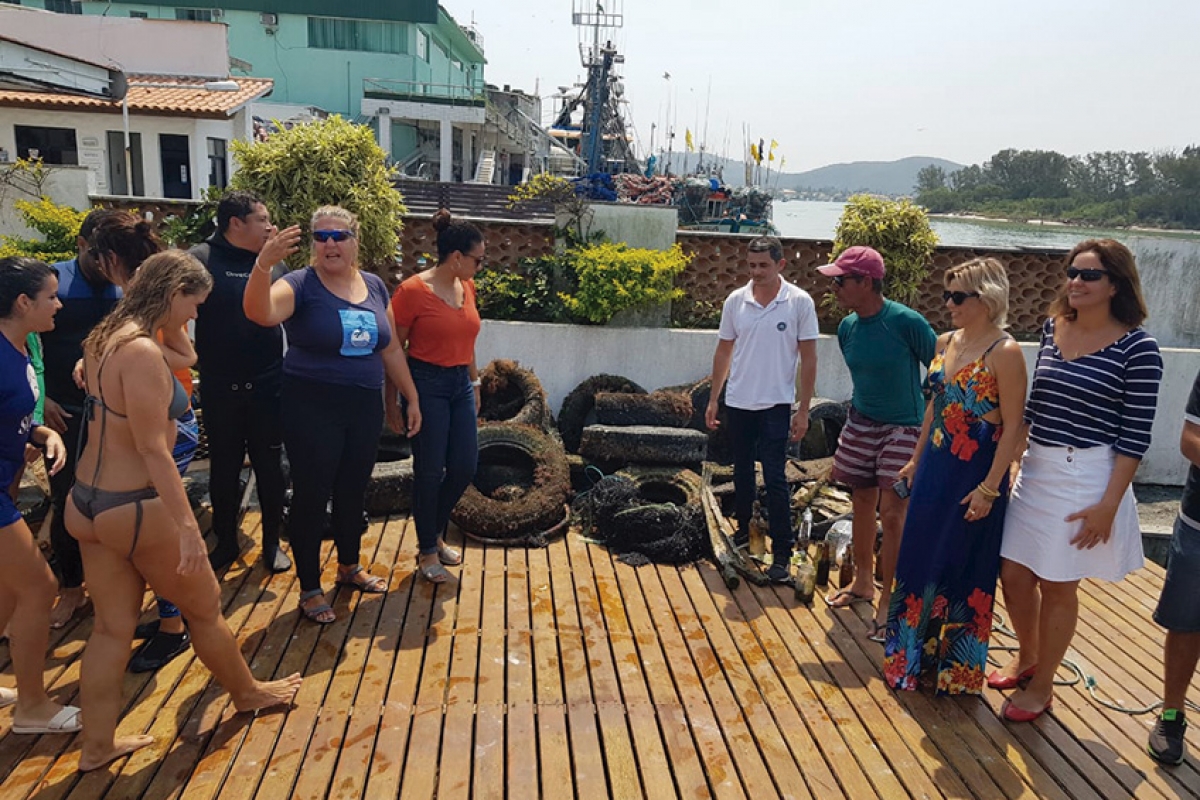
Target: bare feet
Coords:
[(70, 602), (123, 746), (266, 694)]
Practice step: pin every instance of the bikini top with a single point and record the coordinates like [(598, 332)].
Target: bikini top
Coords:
[(180, 402)]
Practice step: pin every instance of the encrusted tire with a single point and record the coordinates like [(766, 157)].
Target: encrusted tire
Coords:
[(579, 406), (389, 491), (642, 444), (510, 393), (826, 418), (522, 511), (720, 449), (660, 409), (650, 514)]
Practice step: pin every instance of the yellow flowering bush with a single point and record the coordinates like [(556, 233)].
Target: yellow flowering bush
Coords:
[(58, 225), (612, 277)]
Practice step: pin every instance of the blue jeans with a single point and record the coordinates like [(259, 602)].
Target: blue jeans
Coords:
[(446, 451), (762, 436)]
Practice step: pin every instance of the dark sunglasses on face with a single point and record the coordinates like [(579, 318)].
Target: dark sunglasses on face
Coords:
[(840, 280), (958, 297), (1086, 275), (337, 236)]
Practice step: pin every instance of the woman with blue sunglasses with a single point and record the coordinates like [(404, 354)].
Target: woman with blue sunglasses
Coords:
[(341, 342), (1071, 513)]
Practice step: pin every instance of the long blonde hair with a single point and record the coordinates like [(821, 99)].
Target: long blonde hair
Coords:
[(147, 299)]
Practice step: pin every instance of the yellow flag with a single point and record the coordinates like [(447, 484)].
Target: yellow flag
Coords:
[(774, 144), (754, 152), (771, 155), (687, 137)]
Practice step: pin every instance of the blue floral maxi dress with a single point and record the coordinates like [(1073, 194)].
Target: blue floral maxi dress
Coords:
[(940, 616)]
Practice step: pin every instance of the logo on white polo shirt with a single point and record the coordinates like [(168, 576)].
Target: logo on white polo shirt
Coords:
[(782, 326)]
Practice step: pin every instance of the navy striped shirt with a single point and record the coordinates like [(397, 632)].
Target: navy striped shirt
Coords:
[(1103, 399)]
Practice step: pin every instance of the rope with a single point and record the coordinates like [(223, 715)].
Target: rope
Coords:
[(1080, 675)]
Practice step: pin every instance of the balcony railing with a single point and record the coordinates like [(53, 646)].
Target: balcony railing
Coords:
[(423, 92)]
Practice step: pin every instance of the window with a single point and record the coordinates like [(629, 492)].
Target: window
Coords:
[(218, 166), (52, 145), (64, 6), (423, 45), (456, 64), (353, 34), (194, 14), (139, 15)]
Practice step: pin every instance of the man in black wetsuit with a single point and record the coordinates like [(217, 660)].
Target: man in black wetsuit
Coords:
[(241, 368)]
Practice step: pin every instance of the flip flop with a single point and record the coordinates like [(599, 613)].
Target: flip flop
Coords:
[(7, 696), (65, 721), (434, 573), (878, 632), (838, 599)]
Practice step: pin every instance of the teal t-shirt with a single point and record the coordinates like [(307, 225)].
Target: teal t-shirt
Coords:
[(885, 353)]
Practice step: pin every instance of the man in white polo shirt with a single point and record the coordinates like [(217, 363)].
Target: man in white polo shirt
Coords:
[(767, 327)]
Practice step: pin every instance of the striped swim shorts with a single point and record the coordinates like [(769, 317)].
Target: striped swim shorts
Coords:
[(871, 453)]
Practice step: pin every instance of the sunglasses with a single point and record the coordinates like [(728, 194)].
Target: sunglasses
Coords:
[(1086, 275), (840, 280), (957, 297), (337, 236)]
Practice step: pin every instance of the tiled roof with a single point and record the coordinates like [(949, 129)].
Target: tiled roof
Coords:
[(167, 99)]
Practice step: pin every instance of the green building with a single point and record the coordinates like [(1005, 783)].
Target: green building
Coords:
[(405, 67)]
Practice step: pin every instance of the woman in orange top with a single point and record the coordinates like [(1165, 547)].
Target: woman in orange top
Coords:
[(435, 315)]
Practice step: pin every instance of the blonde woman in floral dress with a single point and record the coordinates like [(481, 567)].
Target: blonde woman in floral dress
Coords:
[(940, 616)]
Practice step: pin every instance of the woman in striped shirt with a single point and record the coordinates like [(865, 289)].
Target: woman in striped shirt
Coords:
[(1072, 514)]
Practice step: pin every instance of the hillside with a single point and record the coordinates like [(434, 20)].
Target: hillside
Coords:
[(836, 180)]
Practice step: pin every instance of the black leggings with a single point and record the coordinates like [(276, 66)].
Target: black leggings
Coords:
[(331, 434)]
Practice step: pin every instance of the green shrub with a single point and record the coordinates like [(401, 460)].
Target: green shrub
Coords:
[(328, 162), (196, 224), (613, 277), (524, 294), (900, 231), (58, 225)]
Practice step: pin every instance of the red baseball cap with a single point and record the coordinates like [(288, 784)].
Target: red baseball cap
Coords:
[(857, 260)]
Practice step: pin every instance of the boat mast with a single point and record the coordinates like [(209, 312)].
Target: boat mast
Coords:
[(599, 59)]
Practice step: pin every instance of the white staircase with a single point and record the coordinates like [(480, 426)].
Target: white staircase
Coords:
[(485, 169)]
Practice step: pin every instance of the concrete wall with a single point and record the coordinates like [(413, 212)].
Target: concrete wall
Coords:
[(1170, 273), (562, 356), (66, 186), (144, 46)]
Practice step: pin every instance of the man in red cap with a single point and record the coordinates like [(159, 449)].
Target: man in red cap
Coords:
[(885, 345)]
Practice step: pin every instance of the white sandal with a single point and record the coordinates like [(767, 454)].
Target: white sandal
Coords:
[(67, 720)]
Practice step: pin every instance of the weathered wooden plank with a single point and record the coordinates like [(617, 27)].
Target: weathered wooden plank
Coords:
[(554, 753)]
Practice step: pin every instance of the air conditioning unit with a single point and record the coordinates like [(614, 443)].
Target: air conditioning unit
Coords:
[(217, 14), (268, 18)]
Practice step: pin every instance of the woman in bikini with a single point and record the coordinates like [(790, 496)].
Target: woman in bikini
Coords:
[(940, 614), (129, 511), (28, 302)]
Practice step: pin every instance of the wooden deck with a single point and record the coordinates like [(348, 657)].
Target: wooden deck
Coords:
[(560, 673)]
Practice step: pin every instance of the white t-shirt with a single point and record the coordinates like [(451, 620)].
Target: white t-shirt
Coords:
[(765, 354)]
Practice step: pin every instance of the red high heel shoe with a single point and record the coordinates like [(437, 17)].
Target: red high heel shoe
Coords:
[(1014, 714), (998, 681)]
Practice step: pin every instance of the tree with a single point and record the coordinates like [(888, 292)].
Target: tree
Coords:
[(327, 162), (930, 179), (900, 231)]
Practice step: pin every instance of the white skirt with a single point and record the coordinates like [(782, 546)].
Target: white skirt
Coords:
[(1053, 483)]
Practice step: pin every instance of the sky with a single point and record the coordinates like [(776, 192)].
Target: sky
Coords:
[(875, 80)]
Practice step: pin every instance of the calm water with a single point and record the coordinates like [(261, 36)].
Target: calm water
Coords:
[(818, 220)]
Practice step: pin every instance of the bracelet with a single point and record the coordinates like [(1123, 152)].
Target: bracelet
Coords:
[(477, 383), (987, 491), (258, 267)]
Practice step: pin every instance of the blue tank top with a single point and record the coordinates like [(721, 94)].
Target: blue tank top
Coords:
[(18, 396), (332, 340)]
